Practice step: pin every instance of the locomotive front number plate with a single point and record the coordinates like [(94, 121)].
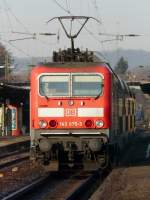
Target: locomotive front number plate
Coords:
[(71, 124), (70, 112)]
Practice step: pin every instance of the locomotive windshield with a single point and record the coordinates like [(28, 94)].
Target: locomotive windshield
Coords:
[(54, 85), (86, 85), (74, 85)]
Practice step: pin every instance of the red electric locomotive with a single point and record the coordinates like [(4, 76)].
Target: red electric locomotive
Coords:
[(81, 112)]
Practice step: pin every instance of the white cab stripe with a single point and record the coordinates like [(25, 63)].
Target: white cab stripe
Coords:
[(50, 112), (90, 112), (59, 112)]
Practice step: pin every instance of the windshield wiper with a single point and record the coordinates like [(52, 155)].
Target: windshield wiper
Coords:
[(44, 94), (99, 93), (46, 97)]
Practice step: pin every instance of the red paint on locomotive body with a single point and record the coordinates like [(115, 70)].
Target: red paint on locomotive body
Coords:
[(81, 112), (72, 112)]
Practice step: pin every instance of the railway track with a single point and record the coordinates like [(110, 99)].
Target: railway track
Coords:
[(17, 194), (13, 153), (19, 175), (13, 158), (14, 148), (86, 189), (56, 186)]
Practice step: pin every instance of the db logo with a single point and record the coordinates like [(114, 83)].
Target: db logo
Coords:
[(70, 112)]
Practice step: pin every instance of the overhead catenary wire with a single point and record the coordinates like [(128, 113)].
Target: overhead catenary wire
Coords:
[(22, 33), (97, 9), (18, 49), (88, 7), (97, 12), (7, 15), (117, 37), (95, 5), (67, 10), (15, 17), (33, 36), (59, 5), (3, 33), (67, 5), (45, 43), (71, 14), (10, 42), (9, 11), (26, 38)]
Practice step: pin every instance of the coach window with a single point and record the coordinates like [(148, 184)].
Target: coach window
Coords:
[(86, 85), (54, 85)]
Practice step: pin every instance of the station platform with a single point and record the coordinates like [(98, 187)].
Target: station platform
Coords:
[(131, 180), (132, 183), (10, 144)]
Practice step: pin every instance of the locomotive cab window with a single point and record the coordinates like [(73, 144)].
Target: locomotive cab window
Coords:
[(86, 85), (54, 85), (76, 85)]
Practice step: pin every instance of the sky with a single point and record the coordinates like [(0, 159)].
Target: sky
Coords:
[(116, 17)]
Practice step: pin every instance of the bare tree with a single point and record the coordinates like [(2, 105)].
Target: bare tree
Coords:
[(5, 61)]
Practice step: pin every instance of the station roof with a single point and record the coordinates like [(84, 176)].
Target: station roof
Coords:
[(145, 85), (15, 86), (15, 92)]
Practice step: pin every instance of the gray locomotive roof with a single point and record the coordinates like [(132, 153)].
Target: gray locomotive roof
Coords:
[(98, 58), (71, 64)]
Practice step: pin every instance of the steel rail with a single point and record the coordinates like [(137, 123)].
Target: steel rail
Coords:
[(83, 191), (14, 161), (13, 153), (14, 148), (25, 189), (86, 189)]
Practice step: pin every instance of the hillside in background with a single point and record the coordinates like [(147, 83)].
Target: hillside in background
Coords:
[(134, 57), (138, 60)]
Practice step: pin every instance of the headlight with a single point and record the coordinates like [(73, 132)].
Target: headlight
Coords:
[(99, 123), (42, 124)]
